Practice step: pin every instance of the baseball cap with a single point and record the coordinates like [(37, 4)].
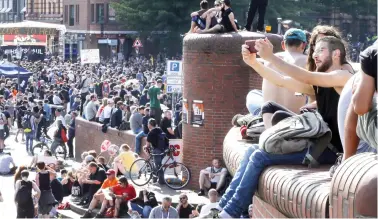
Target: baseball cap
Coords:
[(296, 34), (89, 158), (110, 172)]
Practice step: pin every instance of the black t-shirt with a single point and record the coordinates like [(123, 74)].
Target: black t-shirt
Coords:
[(153, 136), (164, 125), (185, 212), (369, 62), (100, 175), (226, 20), (327, 100)]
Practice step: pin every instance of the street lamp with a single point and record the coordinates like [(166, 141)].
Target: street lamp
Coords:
[(18, 56)]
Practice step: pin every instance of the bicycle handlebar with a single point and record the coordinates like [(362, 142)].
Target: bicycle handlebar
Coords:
[(165, 152)]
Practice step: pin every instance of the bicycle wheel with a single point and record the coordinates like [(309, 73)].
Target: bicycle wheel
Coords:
[(140, 172), (61, 152), (39, 149), (176, 175)]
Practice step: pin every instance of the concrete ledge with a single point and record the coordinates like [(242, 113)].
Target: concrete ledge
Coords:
[(89, 137)]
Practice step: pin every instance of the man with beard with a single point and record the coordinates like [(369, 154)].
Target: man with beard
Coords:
[(326, 84)]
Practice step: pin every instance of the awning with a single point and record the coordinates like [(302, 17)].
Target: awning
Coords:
[(23, 10), (8, 10), (3, 10)]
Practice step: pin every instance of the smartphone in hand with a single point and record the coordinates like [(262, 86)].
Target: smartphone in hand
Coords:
[(251, 44)]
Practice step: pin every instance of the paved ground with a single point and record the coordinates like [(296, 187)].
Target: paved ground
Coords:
[(18, 151)]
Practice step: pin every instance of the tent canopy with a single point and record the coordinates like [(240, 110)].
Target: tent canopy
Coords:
[(10, 70)]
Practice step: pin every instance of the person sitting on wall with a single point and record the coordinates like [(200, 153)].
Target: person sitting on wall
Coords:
[(326, 84), (203, 22), (212, 177), (361, 119), (226, 24)]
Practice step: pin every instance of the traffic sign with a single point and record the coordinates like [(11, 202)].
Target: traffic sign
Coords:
[(137, 43), (174, 80), (174, 88), (174, 68)]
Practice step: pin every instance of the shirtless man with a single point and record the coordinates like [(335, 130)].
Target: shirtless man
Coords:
[(293, 45)]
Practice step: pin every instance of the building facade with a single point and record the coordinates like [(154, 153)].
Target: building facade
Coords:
[(91, 24), (12, 11), (50, 11)]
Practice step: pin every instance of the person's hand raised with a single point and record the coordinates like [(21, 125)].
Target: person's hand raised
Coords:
[(248, 57), (264, 48)]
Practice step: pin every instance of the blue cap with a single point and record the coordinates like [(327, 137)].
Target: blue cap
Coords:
[(296, 34)]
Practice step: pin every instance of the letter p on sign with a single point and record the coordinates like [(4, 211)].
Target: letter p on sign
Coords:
[(175, 66)]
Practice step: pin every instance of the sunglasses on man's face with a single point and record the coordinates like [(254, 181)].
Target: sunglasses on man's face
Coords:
[(182, 198)]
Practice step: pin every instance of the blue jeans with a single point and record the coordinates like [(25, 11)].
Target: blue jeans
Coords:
[(136, 131), (246, 182), (143, 211), (158, 162), (138, 139), (29, 140)]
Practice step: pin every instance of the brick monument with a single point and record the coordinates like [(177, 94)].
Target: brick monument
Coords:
[(215, 73)]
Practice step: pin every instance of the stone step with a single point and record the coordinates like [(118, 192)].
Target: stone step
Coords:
[(68, 214)]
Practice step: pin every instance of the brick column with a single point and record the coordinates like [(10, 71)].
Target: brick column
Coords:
[(215, 73)]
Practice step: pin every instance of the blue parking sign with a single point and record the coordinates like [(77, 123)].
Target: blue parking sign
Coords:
[(174, 67)]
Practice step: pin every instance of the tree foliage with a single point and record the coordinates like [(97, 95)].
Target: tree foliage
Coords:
[(174, 15)]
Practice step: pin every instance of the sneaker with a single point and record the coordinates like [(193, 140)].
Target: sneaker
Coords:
[(201, 193), (214, 213), (332, 170), (87, 214)]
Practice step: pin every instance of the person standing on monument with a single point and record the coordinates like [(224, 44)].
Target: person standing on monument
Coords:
[(154, 95)]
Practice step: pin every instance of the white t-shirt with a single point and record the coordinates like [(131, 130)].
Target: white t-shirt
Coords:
[(61, 119), (205, 210), (57, 100), (215, 170), (107, 112)]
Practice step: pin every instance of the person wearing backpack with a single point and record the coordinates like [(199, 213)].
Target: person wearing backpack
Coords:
[(23, 196), (159, 142), (3, 122), (28, 123)]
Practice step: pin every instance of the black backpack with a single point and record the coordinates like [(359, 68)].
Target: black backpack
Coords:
[(24, 194), (163, 141), (26, 123)]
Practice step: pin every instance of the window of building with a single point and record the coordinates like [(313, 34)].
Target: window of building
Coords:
[(100, 13), (72, 15), (44, 7), (58, 6), (31, 6), (50, 10), (92, 13), (77, 13), (53, 7), (66, 14)]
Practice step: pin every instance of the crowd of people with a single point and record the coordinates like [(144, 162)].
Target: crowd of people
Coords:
[(311, 76)]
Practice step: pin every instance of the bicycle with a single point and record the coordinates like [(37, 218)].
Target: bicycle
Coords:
[(176, 174), (45, 144)]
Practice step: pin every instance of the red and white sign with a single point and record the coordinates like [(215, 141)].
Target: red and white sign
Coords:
[(137, 43), (113, 150), (30, 40), (105, 145), (177, 155)]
